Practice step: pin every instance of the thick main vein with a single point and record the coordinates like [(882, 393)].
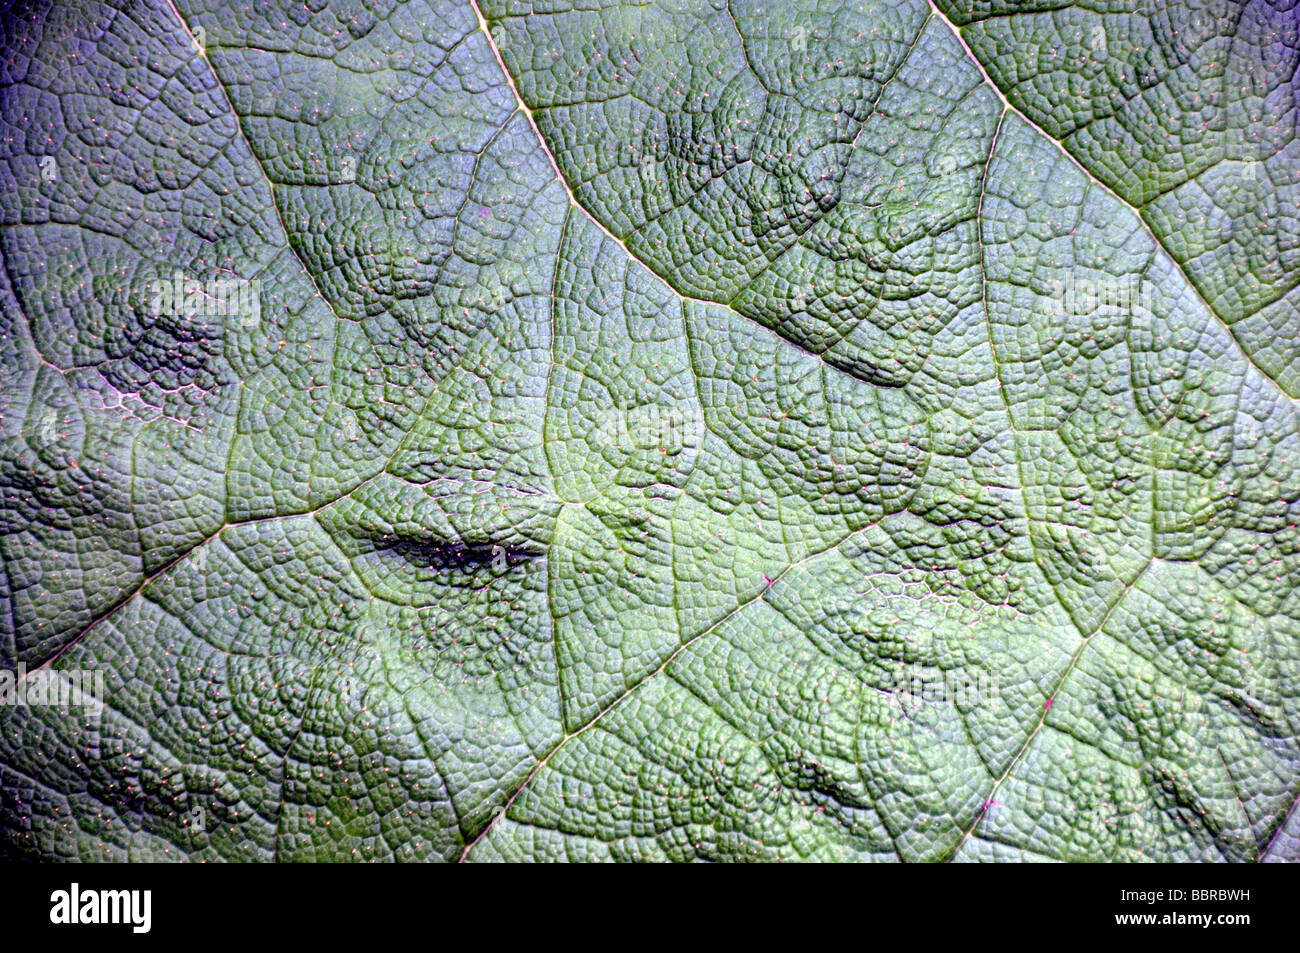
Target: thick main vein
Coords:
[(632, 688), (524, 108), (1137, 213)]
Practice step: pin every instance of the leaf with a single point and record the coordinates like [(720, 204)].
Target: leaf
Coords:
[(659, 432)]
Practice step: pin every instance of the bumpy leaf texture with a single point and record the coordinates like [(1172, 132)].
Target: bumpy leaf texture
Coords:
[(691, 429)]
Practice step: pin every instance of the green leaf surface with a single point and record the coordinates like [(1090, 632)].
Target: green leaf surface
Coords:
[(683, 430)]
